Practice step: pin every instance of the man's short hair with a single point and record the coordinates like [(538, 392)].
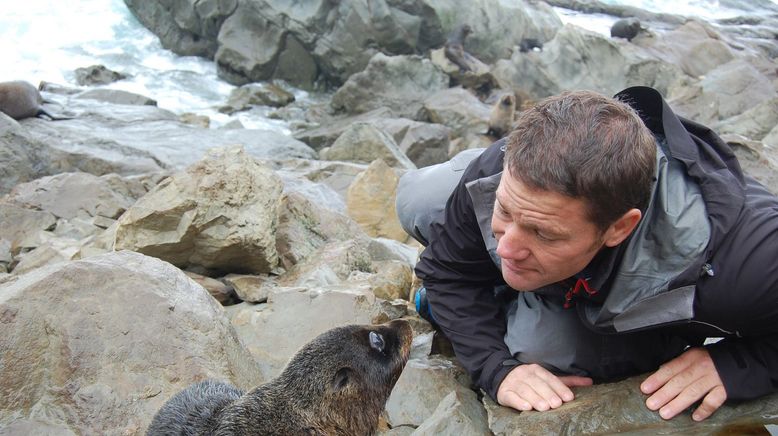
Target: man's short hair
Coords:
[(588, 146)]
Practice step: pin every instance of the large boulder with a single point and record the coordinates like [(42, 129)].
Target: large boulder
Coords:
[(371, 202), (323, 40), (459, 412), (97, 346), (292, 316), (326, 132), (304, 227), (134, 139), (22, 226), (220, 214), (22, 157), (397, 82), (755, 123), (725, 92), (364, 143), (695, 47), (326, 41), (424, 143), (77, 194), (187, 27), (458, 109), (423, 384)]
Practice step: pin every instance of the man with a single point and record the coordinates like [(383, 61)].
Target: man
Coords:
[(595, 243)]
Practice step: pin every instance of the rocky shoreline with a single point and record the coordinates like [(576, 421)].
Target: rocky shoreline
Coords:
[(141, 250)]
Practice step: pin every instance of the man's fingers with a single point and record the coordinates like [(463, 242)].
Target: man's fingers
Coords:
[(534, 387), (512, 399), (687, 363), (681, 382), (659, 378), (691, 393), (710, 403)]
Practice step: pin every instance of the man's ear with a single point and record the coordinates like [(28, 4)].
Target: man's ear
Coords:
[(622, 228)]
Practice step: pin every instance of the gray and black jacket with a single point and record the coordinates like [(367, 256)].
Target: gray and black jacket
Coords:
[(702, 263)]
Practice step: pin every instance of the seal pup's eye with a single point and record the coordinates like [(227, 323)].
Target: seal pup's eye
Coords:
[(376, 341)]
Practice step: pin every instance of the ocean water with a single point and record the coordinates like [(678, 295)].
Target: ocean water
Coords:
[(49, 39)]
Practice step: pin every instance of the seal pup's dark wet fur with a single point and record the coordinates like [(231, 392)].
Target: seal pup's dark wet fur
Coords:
[(336, 384)]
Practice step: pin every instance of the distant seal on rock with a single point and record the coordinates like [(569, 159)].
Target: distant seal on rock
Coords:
[(529, 44), (501, 117), (626, 28), (455, 47), (336, 384), (20, 99)]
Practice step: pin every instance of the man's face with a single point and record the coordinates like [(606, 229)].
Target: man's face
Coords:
[(542, 236)]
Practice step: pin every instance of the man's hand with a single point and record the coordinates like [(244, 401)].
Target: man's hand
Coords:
[(681, 382), (531, 386)]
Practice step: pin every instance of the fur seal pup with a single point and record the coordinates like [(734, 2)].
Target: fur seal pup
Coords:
[(455, 47), (626, 28), (501, 117), (336, 384), (20, 99)]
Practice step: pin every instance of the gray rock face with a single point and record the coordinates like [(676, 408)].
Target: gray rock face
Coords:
[(424, 143), (397, 82), (22, 226), (755, 123), (322, 308), (220, 214), (579, 59), (188, 27), (84, 350), (364, 143), (130, 139), (22, 158), (331, 40), (257, 40), (424, 383), (304, 227), (117, 96), (71, 195), (327, 132), (459, 109), (726, 91), (459, 412), (695, 47)]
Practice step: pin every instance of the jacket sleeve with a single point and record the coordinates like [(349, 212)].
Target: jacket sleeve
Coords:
[(742, 297), (460, 278)]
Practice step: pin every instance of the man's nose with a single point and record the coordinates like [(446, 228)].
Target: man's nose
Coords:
[(513, 243)]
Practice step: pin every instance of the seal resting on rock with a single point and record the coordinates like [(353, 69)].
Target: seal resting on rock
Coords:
[(455, 48), (501, 117), (530, 44), (336, 384), (626, 28), (20, 99)]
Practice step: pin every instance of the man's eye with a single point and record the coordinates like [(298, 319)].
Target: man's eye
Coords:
[(544, 236)]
